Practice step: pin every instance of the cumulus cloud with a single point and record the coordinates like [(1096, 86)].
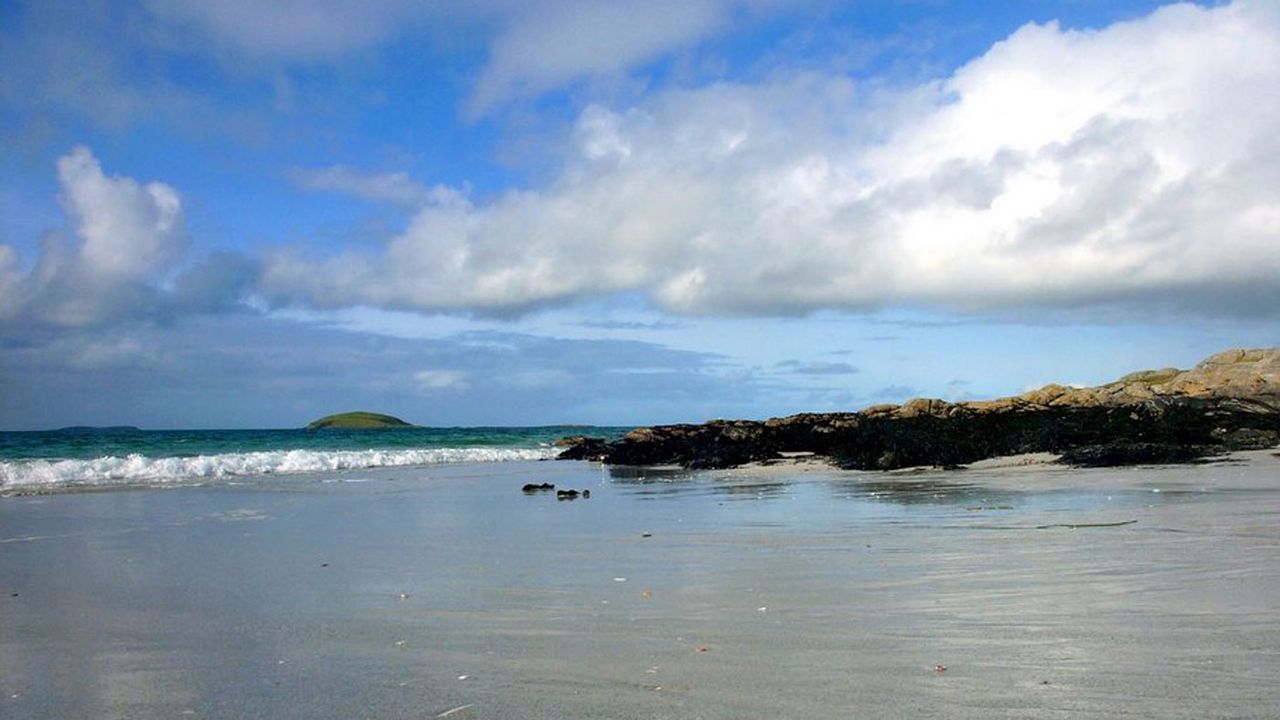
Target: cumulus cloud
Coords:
[(126, 241), (1066, 167), (126, 236), (127, 231)]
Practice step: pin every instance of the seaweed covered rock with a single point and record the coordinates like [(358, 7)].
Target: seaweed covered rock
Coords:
[(578, 447), (1230, 401)]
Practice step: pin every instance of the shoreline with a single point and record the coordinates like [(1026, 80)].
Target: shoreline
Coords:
[(1228, 402), (784, 590), (796, 465)]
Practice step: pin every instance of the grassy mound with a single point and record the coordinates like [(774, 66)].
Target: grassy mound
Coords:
[(357, 420)]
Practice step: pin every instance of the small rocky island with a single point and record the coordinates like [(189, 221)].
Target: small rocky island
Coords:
[(1230, 401), (359, 420)]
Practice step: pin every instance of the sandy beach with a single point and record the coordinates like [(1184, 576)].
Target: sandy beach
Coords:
[(783, 592)]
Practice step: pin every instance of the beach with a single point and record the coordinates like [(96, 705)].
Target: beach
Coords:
[(790, 591)]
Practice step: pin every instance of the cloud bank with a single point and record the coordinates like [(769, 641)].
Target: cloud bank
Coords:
[(1061, 167)]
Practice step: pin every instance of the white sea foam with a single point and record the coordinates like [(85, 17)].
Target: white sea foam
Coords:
[(142, 470)]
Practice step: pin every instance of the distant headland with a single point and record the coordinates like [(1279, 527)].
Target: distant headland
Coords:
[(97, 429), (358, 420), (1230, 401)]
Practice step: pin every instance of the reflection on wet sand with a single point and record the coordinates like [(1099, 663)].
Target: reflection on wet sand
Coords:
[(1144, 592)]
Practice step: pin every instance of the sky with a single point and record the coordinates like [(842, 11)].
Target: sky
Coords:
[(488, 212)]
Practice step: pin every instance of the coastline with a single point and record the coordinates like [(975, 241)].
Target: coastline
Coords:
[(1227, 402)]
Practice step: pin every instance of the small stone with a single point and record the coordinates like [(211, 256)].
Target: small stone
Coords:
[(939, 667), (646, 534)]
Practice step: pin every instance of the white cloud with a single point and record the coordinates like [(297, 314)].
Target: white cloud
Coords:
[(441, 380), (128, 237), (1062, 166), (113, 63), (127, 231), (396, 188), (307, 30), (532, 46), (557, 42)]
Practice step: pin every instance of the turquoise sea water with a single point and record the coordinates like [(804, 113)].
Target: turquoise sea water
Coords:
[(82, 457)]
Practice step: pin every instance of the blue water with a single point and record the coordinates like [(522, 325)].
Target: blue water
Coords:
[(79, 457)]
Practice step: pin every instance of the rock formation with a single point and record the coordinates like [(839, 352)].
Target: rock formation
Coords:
[(1227, 402)]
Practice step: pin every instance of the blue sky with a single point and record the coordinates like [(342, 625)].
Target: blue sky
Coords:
[(244, 214)]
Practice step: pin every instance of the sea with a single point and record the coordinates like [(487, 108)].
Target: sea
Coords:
[(96, 458)]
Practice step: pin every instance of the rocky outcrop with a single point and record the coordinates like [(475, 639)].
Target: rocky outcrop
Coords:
[(1230, 401)]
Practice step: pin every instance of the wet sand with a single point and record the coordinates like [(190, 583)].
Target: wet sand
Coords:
[(788, 592)]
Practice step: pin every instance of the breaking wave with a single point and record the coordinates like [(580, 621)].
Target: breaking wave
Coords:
[(137, 469)]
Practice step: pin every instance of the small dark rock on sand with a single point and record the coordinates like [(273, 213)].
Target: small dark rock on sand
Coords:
[(534, 487)]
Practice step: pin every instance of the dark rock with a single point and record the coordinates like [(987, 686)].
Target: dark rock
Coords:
[(566, 494), (578, 447), (534, 487), (1229, 402), (586, 494)]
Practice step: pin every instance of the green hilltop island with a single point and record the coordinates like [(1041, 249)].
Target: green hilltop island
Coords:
[(358, 420), (1228, 402)]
